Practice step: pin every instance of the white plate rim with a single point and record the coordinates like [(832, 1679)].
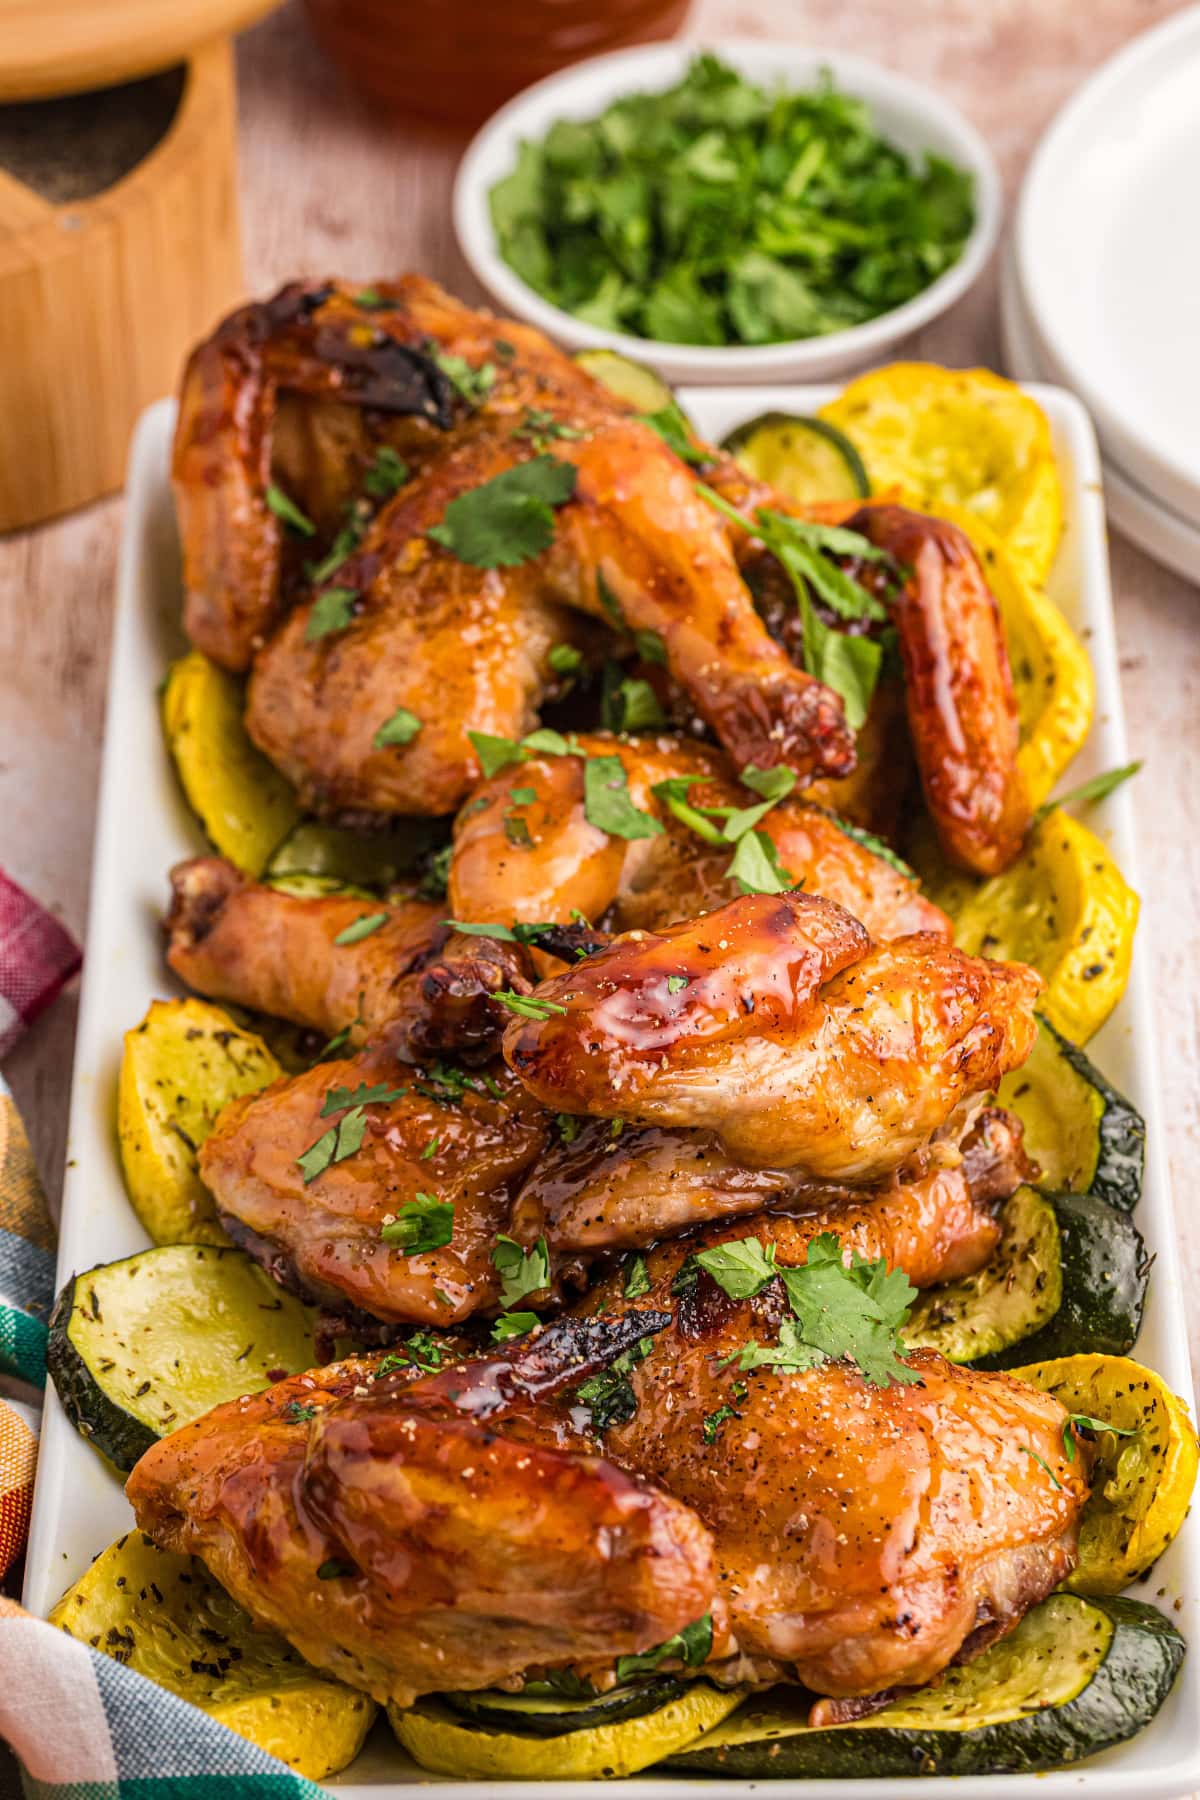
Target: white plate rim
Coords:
[(600, 78), (1140, 452), (138, 803)]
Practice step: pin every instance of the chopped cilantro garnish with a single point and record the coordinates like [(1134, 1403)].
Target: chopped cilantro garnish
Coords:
[(400, 729), (569, 1126), (472, 384), (650, 647), (628, 702), (338, 1098), (540, 428), (1041, 1463), (713, 1421), (361, 928), (285, 508), (773, 784), (676, 983), (691, 1646), (422, 1224), (521, 1271), (513, 1325), (334, 1145), (386, 475), (1083, 1422), (852, 1310), (332, 610), (756, 867), (509, 519), (673, 429), (876, 845), (637, 1276), (606, 802), (1098, 788), (608, 1395), (517, 832), (609, 602), (527, 1006), (371, 300), (564, 659)]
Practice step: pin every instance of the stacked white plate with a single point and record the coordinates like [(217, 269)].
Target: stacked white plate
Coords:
[(1101, 289)]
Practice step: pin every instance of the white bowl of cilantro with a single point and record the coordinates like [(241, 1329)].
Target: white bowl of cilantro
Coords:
[(745, 212)]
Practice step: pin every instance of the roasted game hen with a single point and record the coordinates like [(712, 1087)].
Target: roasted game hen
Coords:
[(416, 1531)]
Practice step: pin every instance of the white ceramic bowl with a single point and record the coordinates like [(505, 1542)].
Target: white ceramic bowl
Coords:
[(1108, 257), (911, 116)]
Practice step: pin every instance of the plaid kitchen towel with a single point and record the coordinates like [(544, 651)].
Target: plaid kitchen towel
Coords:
[(82, 1726), (37, 958)]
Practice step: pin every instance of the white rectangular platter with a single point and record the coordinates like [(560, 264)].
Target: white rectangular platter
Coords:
[(144, 827)]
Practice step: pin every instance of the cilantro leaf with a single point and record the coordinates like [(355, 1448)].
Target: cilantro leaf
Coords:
[(691, 1646), (742, 1267), (361, 928), (494, 753), (673, 792), (332, 610), (650, 647), (521, 1271), (789, 1354), (513, 1325), (869, 841), (756, 866), (386, 475), (773, 784), (472, 384), (1098, 788), (504, 933), (422, 1224), (527, 1006), (713, 1421), (853, 1309), (609, 1394), (1041, 1463), (336, 1098), (334, 1145), (637, 1277), (509, 519), (672, 427), (629, 703), (564, 659), (401, 729), (676, 983), (606, 802), (285, 508), (1084, 1422)]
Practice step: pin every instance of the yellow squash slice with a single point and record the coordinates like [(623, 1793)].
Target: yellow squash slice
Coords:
[(960, 437), (1063, 907), (444, 1744), (164, 1616), (1142, 1484), (183, 1063), (243, 802), (1055, 688)]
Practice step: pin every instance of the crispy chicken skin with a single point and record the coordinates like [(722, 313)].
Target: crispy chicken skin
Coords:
[(468, 1142), (569, 864), (465, 1555), (776, 1023), (635, 524), (425, 988), (600, 1193), (962, 710), (857, 1537)]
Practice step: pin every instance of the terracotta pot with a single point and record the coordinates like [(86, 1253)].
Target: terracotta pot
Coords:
[(459, 59)]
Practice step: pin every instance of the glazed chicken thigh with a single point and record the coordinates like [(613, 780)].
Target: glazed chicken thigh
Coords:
[(852, 1535)]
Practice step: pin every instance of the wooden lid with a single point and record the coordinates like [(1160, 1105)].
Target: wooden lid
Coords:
[(50, 47)]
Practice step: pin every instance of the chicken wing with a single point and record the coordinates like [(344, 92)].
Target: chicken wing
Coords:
[(962, 710), (409, 1548), (634, 540), (408, 978), (777, 1024), (558, 862), (332, 1228), (598, 1193)]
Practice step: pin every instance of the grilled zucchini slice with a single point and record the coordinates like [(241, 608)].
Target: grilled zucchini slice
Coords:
[(632, 382), (447, 1745), (1075, 1677), (1084, 1136), (138, 1348), (164, 1616), (1142, 1483), (537, 1711), (346, 859), (242, 801), (183, 1064), (806, 459), (1069, 1274)]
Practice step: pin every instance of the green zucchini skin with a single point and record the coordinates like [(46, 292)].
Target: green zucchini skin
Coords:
[(506, 1713), (1121, 1161), (114, 1432), (857, 478), (1143, 1659), (1105, 1274)]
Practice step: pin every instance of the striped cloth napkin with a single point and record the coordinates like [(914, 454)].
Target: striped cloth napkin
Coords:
[(82, 1726)]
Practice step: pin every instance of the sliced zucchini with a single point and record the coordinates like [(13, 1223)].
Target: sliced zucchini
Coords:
[(1084, 1136), (537, 1711), (1064, 907), (242, 801), (164, 1616), (184, 1063), (806, 459), (317, 887), (138, 1348), (448, 1745), (1075, 1677), (960, 437), (347, 858), (632, 382), (1141, 1484), (1069, 1274)]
